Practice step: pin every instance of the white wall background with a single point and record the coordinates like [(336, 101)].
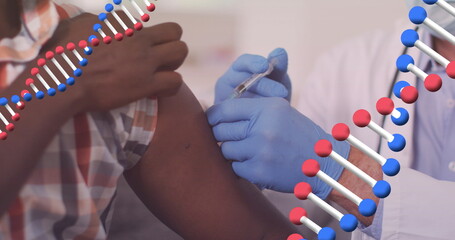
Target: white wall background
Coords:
[(219, 30)]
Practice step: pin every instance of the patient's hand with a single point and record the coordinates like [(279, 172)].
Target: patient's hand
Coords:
[(139, 66)]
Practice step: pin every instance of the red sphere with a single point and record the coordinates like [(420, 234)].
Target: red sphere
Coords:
[(41, 62), (34, 71), (295, 236), (83, 44), (341, 132), (10, 127), (95, 42), (302, 190), (323, 148), (16, 117), (310, 167), (296, 214), (118, 37), (50, 55), (362, 118), (107, 40), (151, 7), (145, 17), (129, 32), (3, 136), (450, 70), (409, 94), (385, 106), (23, 92), (28, 82), (433, 82), (70, 46), (59, 50), (138, 26), (20, 106)]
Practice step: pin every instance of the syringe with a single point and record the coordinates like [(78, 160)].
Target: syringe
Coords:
[(245, 85)]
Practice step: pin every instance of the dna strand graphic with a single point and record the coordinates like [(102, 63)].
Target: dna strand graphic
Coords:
[(362, 118), (341, 132), (55, 57)]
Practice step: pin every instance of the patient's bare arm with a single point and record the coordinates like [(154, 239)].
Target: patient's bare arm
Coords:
[(185, 181)]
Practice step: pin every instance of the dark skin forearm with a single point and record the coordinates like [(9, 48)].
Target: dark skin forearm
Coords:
[(185, 181), (20, 152)]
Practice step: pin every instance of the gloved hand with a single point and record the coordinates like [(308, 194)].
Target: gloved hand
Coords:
[(268, 141), (277, 84)]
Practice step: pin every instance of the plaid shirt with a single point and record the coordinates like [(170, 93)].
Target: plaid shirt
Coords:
[(69, 194)]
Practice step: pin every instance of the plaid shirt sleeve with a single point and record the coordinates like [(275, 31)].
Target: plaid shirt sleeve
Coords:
[(133, 127), (71, 190)]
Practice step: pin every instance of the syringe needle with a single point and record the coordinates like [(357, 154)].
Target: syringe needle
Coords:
[(245, 85)]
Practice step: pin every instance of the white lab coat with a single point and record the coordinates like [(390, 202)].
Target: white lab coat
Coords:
[(354, 76)]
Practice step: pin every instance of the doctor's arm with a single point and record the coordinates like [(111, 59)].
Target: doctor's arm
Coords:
[(185, 181), (419, 206)]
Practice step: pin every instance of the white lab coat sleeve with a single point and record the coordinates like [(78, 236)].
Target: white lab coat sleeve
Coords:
[(326, 96), (419, 207), (315, 92)]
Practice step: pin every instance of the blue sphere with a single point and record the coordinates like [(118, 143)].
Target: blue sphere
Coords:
[(398, 86), (367, 207), (327, 234), (109, 7), (381, 189), (88, 50), (84, 62), (417, 15), (409, 37), (348, 223), (78, 72), (51, 92), (398, 143), (391, 167), (430, 2), (403, 119), (91, 38), (102, 16), (15, 99), (40, 95), (3, 101), (117, 2), (97, 27), (70, 81), (403, 61), (28, 97), (62, 87)]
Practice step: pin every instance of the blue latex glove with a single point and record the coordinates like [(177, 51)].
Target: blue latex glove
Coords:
[(268, 141), (277, 84)]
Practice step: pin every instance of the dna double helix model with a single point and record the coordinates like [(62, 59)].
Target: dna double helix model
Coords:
[(362, 118), (61, 53), (323, 148)]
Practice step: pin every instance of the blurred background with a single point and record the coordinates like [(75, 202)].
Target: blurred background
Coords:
[(218, 31)]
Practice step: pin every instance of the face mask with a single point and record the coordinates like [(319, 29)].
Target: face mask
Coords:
[(437, 14)]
